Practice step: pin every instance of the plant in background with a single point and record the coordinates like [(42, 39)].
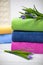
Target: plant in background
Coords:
[(31, 13)]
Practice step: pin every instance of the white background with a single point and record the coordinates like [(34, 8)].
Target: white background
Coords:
[(17, 5)]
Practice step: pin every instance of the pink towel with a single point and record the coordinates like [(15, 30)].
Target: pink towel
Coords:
[(26, 46)]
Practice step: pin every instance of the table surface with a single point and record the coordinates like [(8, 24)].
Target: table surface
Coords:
[(10, 59)]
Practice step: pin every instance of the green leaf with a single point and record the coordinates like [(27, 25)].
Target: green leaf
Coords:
[(19, 53), (40, 14), (35, 13)]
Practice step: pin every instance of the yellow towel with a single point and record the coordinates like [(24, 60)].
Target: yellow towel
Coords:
[(5, 29)]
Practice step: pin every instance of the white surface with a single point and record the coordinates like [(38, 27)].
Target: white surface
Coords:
[(5, 46), (10, 59)]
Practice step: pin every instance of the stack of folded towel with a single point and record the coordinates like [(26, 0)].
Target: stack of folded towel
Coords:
[(27, 35), (5, 34)]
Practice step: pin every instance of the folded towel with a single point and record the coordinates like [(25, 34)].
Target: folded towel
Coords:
[(29, 47), (5, 38), (27, 24), (5, 29), (25, 36)]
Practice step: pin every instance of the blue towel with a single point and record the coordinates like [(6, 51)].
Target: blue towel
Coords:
[(5, 38), (27, 36)]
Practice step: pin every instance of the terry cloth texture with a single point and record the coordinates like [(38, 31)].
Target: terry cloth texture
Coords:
[(5, 38), (5, 29), (27, 24), (25, 36), (26, 46)]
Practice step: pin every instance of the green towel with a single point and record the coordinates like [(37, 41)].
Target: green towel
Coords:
[(27, 24)]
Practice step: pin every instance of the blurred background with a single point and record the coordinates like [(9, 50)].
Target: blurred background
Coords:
[(9, 9), (17, 5)]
